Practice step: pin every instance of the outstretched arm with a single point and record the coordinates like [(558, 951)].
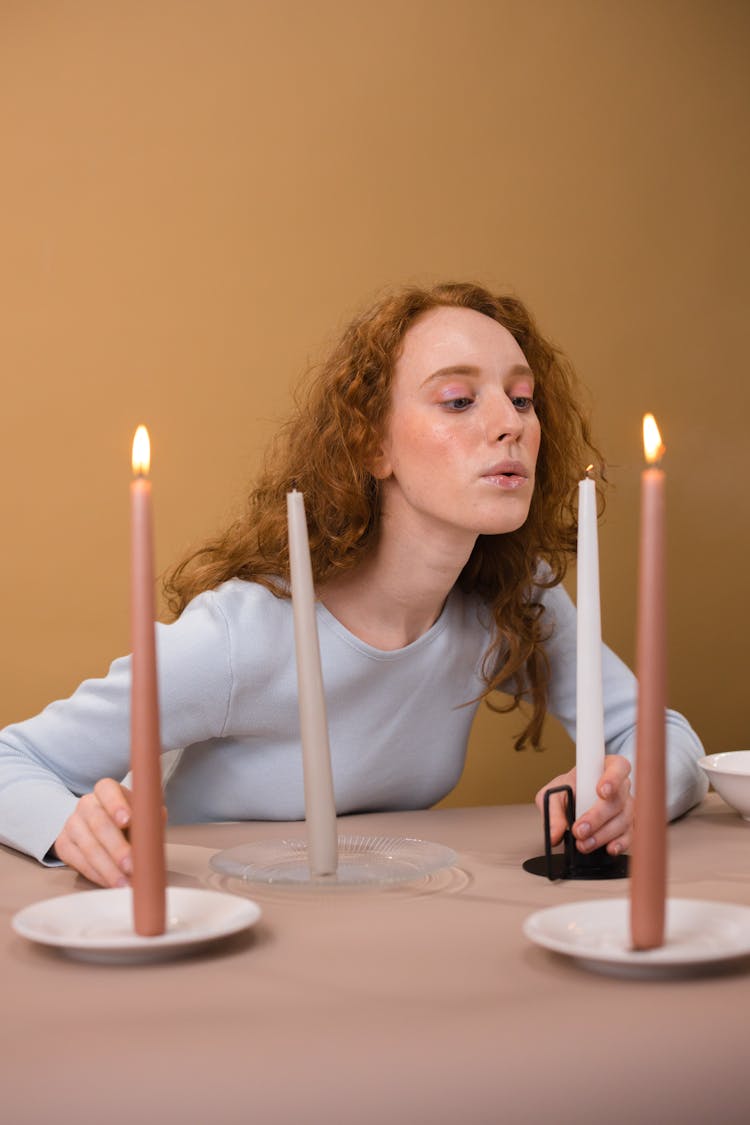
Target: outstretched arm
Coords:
[(50, 761), (686, 785)]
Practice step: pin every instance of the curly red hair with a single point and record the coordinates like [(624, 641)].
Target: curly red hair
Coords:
[(334, 433)]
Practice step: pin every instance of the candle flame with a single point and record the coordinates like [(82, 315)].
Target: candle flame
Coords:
[(589, 470), (141, 452), (653, 448)]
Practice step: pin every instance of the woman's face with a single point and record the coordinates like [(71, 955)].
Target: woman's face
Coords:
[(462, 437)]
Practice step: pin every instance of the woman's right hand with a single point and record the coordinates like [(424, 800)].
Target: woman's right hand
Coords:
[(93, 839)]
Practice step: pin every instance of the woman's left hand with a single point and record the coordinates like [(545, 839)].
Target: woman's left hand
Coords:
[(609, 821)]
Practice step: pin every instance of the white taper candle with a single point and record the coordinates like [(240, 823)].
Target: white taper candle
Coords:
[(589, 705), (320, 806)]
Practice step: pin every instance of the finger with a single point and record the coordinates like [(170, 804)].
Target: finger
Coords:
[(601, 811), (128, 796), (92, 830), (109, 837), (115, 799), (616, 770), (621, 843), (617, 828), (71, 855), (77, 847), (558, 817)]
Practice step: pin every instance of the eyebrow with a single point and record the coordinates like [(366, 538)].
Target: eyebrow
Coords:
[(468, 369)]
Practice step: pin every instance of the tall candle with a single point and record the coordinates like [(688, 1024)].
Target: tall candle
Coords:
[(147, 830), (649, 850), (589, 706), (320, 806)]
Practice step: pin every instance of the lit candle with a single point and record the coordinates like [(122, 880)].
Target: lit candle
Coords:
[(589, 707), (649, 850), (320, 807), (147, 831)]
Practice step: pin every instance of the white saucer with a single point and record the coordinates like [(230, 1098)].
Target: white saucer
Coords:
[(597, 935), (98, 925), (363, 862)]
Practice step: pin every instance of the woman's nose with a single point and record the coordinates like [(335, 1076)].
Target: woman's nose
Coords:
[(504, 421)]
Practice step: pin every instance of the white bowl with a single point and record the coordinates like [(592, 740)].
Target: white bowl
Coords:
[(729, 773)]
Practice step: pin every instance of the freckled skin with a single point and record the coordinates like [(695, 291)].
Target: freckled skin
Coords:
[(447, 428)]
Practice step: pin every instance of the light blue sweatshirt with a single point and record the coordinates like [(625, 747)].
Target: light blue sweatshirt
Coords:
[(399, 721)]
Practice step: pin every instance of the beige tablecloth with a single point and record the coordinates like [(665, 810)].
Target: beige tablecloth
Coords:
[(421, 1005)]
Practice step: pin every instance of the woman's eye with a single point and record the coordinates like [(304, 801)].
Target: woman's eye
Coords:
[(522, 402), (458, 404)]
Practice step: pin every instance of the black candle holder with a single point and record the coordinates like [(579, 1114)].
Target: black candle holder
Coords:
[(570, 863)]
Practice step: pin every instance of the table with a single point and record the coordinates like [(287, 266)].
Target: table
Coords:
[(420, 1005)]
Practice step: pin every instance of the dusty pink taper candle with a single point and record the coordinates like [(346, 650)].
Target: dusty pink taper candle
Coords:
[(649, 851), (147, 829)]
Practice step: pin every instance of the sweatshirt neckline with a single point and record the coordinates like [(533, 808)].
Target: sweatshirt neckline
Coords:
[(326, 618)]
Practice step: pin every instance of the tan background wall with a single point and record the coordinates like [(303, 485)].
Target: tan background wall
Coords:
[(196, 195)]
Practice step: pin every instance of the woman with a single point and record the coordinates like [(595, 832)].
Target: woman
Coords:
[(439, 451)]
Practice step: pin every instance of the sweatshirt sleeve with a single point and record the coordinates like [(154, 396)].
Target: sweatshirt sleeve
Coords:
[(49, 761), (686, 785)]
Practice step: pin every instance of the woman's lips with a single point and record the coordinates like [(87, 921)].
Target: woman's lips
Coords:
[(507, 474)]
